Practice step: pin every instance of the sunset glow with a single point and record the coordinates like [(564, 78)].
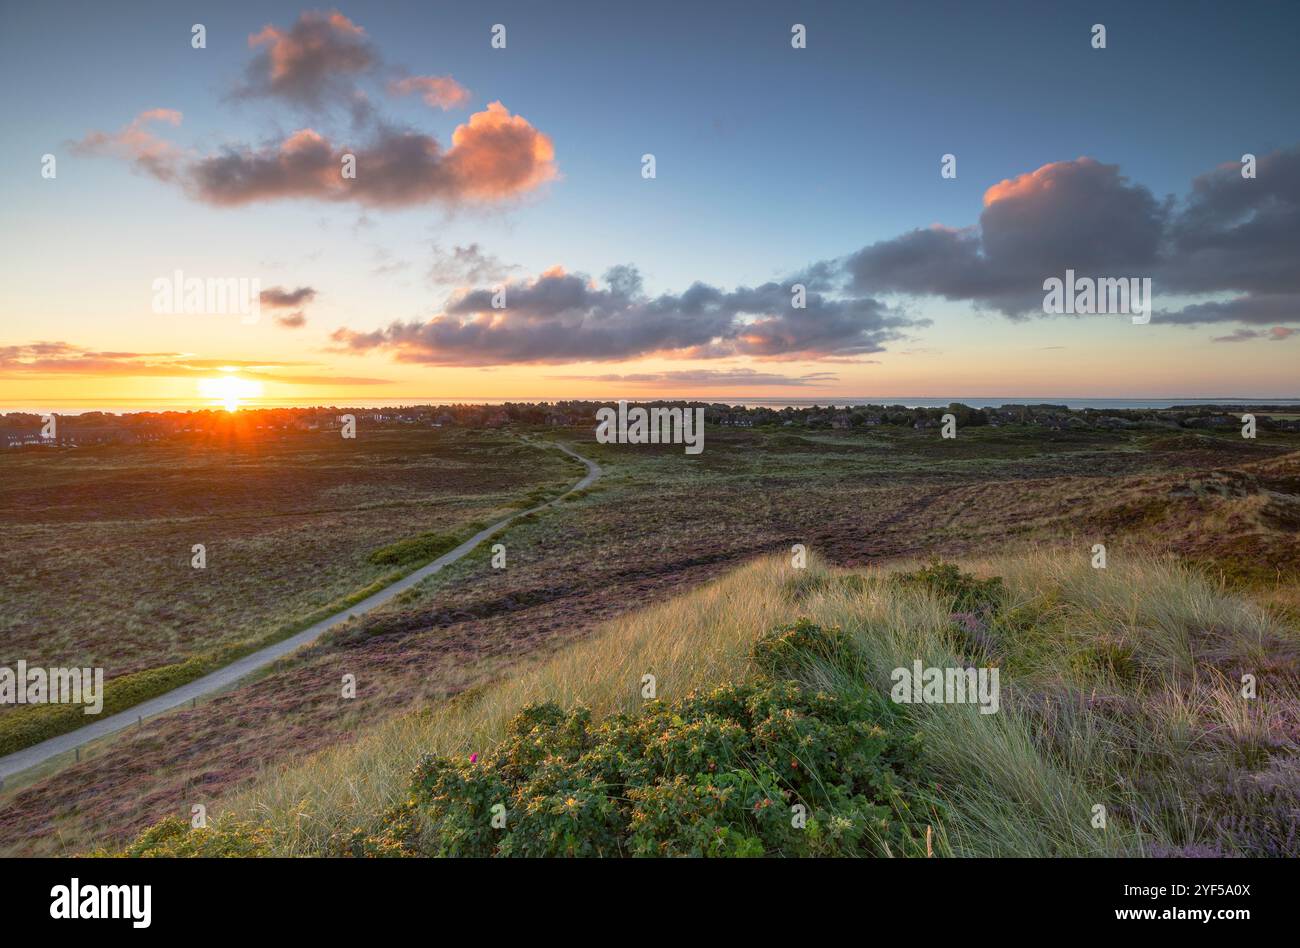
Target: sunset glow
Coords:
[(459, 232), (230, 391)]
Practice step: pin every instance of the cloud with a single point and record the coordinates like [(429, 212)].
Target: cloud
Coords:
[(497, 154), (561, 317), (1254, 309), (1276, 334), (1238, 233), (311, 62), (1078, 215), (279, 297), (1230, 235), (138, 145), (294, 320), (57, 359), (494, 156), (466, 265), (1081, 215), (709, 378), (438, 92)]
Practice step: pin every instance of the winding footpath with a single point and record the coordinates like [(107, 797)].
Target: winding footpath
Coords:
[(224, 677)]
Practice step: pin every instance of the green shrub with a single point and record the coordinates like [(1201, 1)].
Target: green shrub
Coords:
[(711, 774), (173, 837), (422, 548), (947, 581), (788, 652)]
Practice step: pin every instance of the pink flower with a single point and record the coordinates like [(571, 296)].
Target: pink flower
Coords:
[(473, 758)]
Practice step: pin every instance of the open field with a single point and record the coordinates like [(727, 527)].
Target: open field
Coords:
[(294, 528), (98, 541), (657, 525)]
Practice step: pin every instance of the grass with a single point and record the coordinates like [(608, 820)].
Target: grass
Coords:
[(22, 727), (423, 548), (1120, 689), (25, 726), (288, 523), (656, 524)]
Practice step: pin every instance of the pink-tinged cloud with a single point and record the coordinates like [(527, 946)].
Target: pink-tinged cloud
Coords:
[(497, 154), (493, 157), (438, 92), (1228, 235), (1080, 214), (564, 317), (1276, 334), (278, 296), (308, 61), (292, 320), (137, 144), (58, 359)]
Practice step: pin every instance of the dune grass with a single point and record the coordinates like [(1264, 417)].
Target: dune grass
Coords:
[(1120, 689)]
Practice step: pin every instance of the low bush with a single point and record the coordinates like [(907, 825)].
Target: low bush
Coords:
[(418, 549), (769, 767), (173, 837), (967, 593)]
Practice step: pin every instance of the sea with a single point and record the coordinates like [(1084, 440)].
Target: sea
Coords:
[(77, 407)]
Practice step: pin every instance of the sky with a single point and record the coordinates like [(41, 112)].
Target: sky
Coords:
[(501, 237)]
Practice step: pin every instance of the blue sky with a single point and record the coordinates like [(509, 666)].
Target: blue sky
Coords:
[(768, 158)]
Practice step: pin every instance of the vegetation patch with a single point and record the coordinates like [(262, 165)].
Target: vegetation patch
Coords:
[(30, 724), (766, 768), (419, 549), (967, 593), (174, 837)]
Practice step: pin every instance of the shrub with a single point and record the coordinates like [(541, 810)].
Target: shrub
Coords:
[(173, 837), (422, 548), (711, 774), (966, 592)]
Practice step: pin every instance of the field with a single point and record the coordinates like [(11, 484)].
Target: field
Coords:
[(97, 558), (656, 526)]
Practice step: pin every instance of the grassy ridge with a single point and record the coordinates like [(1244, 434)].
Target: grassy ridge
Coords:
[(1120, 689)]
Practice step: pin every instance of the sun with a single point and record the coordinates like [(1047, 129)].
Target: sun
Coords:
[(230, 391)]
